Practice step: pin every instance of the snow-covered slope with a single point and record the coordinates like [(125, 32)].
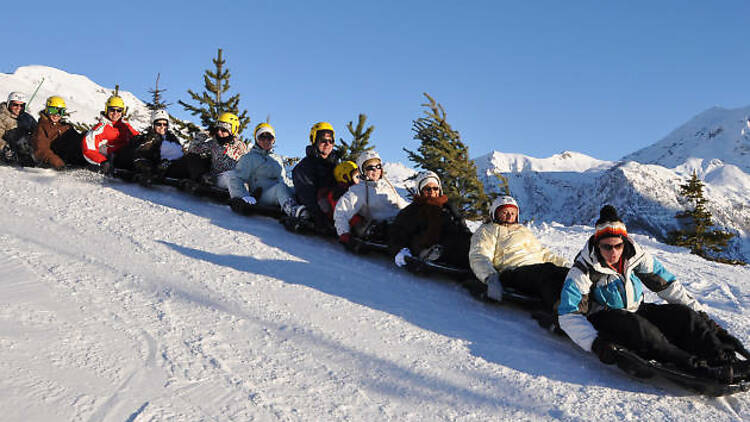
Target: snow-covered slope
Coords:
[(717, 133), (85, 99), (123, 303)]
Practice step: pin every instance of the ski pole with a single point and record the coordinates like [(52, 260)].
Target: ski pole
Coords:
[(28, 103)]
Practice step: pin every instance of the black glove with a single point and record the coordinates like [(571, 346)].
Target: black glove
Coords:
[(106, 167), (605, 350), (239, 206)]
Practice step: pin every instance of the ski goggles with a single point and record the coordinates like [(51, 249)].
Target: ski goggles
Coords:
[(114, 109), (55, 111), (160, 124), (607, 247), (374, 167), (431, 189)]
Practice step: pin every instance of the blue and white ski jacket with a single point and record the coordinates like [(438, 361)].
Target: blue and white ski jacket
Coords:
[(591, 287)]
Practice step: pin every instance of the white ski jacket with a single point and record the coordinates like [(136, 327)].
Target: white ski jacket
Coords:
[(498, 247), (372, 200)]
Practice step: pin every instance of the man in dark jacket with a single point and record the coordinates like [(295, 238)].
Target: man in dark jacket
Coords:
[(315, 172), (430, 227)]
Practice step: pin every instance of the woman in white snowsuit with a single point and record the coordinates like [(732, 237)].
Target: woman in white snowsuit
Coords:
[(601, 305), (374, 200), (260, 177), (506, 253)]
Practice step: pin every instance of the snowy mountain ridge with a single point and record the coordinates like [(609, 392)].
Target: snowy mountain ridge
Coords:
[(717, 133), (646, 195), (85, 99)]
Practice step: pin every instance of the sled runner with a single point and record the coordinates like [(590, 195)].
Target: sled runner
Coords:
[(635, 365)]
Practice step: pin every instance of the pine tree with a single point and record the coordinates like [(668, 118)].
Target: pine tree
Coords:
[(442, 151), (360, 140), (210, 102), (698, 235), (156, 101)]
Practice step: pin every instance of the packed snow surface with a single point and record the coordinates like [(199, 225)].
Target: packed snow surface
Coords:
[(120, 303)]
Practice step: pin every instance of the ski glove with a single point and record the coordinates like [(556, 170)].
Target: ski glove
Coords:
[(250, 200), (400, 258), (345, 238), (494, 287), (604, 350)]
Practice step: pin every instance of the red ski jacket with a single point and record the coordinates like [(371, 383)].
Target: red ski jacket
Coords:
[(105, 138)]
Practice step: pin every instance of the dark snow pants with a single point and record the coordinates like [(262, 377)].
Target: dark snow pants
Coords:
[(665, 332), (68, 148), (544, 281)]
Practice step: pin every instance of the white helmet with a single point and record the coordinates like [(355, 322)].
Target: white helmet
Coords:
[(159, 114), (17, 96), (365, 157), (424, 177), (502, 201)]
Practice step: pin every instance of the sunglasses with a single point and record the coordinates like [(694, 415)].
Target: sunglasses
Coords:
[(609, 248), (16, 105), (114, 110), (161, 124), (374, 167), (326, 141), (265, 136), (56, 111), (430, 189)]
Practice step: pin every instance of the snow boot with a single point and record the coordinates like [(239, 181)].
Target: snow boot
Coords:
[(431, 254), (741, 370), (292, 209)]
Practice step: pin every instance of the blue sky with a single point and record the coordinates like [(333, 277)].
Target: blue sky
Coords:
[(538, 78)]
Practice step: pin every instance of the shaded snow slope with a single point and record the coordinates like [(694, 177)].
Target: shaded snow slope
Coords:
[(122, 303), (717, 133)]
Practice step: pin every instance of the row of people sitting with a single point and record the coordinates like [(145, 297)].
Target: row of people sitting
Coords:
[(599, 299)]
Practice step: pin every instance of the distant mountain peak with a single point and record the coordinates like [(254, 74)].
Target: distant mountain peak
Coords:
[(716, 133)]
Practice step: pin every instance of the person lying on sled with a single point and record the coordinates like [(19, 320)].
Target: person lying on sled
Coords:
[(602, 305), (505, 253), (260, 177), (346, 174), (430, 228), (211, 160), (156, 153), (374, 201)]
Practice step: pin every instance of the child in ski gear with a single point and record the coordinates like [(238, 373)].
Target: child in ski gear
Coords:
[(315, 173), (16, 127), (106, 138), (430, 227), (375, 200), (262, 172), (506, 253), (214, 158), (602, 305), (155, 153), (346, 173), (55, 142)]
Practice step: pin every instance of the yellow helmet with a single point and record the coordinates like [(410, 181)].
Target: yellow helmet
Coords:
[(229, 122), (263, 128), (55, 101), (115, 101), (320, 126), (343, 171)]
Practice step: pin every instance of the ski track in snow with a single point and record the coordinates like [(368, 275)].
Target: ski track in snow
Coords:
[(124, 303)]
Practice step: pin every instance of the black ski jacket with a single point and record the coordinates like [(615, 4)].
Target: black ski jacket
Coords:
[(311, 175)]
